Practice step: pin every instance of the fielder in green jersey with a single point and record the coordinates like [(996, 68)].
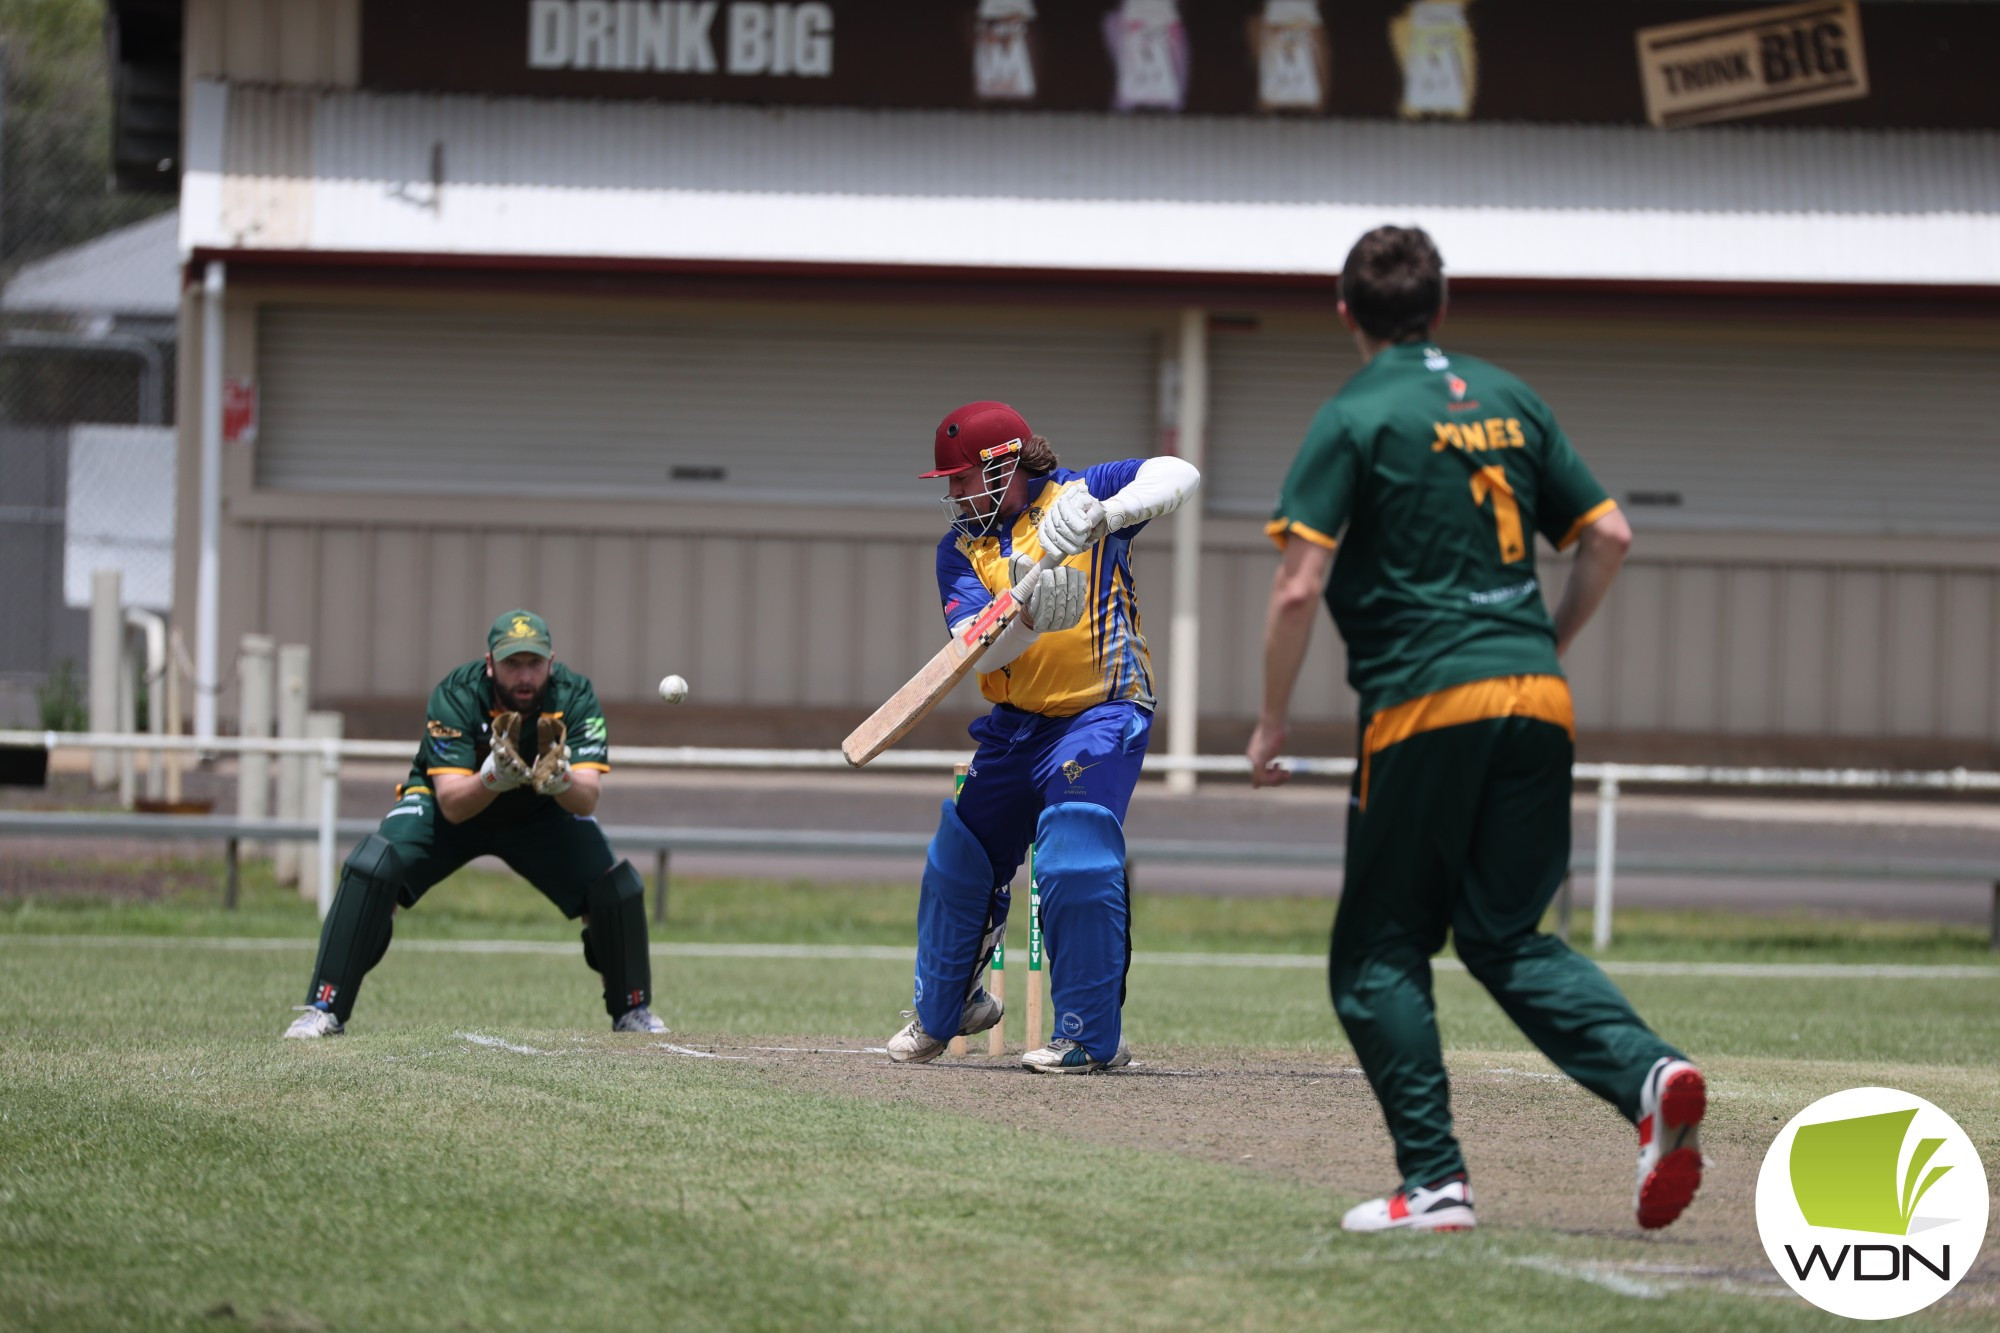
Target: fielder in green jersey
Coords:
[(1412, 507), (510, 765)]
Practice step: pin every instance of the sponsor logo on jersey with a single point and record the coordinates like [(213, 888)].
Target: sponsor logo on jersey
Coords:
[(1494, 596), (1075, 771), (440, 732)]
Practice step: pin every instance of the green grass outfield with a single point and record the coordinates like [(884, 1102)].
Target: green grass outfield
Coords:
[(166, 1162)]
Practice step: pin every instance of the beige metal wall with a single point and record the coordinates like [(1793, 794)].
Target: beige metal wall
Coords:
[(315, 43), (1707, 635)]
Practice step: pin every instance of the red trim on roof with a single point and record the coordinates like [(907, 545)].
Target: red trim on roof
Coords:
[(1028, 286)]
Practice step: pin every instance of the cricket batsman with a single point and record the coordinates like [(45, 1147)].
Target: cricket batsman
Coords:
[(1071, 685), (511, 763), (1419, 490)]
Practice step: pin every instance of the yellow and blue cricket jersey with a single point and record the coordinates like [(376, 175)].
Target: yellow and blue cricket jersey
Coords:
[(1103, 658)]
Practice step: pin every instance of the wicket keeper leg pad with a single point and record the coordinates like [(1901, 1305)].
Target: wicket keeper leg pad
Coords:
[(1086, 920), (952, 912), (358, 924), (614, 943)]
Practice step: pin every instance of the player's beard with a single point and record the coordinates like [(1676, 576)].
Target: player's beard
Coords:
[(527, 703)]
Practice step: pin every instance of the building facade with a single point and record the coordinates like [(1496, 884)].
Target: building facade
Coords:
[(642, 314)]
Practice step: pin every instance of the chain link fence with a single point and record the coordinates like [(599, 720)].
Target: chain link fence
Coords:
[(89, 285)]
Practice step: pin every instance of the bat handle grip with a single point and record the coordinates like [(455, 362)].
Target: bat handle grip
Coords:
[(1049, 560)]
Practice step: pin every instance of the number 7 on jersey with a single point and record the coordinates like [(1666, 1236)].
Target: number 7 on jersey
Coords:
[(1491, 483)]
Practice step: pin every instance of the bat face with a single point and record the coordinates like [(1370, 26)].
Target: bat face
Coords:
[(910, 704)]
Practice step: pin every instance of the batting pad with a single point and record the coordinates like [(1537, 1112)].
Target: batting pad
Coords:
[(1086, 921), (952, 914)]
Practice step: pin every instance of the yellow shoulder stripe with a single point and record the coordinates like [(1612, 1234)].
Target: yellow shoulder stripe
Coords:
[(433, 772), (1278, 529), (602, 768), (1590, 516)]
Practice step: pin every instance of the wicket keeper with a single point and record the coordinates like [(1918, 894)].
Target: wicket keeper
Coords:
[(1419, 488), (510, 765), (1071, 685)]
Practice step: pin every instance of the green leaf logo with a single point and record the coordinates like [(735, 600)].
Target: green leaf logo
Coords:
[(1844, 1173)]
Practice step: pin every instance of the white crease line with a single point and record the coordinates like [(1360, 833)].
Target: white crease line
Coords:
[(898, 953), (699, 1055), (1597, 1275), (822, 1050), (481, 1039)]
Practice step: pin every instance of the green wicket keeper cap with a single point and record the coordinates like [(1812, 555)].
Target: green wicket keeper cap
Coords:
[(519, 632)]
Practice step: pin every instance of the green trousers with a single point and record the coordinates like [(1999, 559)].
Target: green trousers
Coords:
[(557, 852), (1466, 830), (560, 854)]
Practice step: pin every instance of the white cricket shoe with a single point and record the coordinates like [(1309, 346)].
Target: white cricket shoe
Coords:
[(914, 1046), (640, 1019), (982, 1011), (1063, 1056), (1672, 1102), (1447, 1207), (313, 1022)]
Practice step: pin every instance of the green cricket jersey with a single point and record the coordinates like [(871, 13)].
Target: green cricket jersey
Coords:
[(1439, 469), (459, 717)]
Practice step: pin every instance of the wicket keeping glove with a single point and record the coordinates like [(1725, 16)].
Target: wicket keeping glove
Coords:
[(550, 774), (503, 769)]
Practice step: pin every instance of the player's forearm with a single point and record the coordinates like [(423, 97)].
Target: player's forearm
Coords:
[(1016, 639), (585, 786), (1288, 625), (1161, 486), (1600, 552), (460, 796)]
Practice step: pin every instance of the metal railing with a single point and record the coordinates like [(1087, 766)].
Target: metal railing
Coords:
[(327, 828)]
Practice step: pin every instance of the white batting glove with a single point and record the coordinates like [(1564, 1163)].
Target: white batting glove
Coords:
[(1075, 522), (498, 775), (1055, 601)]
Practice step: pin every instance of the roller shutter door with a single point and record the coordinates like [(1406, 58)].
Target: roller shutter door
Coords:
[(423, 401), (1723, 433)]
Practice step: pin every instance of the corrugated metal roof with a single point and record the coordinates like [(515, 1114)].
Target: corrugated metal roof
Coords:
[(353, 172), (132, 271)]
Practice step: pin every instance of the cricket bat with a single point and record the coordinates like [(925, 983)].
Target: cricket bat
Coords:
[(912, 703)]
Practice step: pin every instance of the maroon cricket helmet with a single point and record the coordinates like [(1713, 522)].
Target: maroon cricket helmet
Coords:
[(975, 435)]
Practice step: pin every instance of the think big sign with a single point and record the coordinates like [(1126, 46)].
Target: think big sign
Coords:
[(1752, 63)]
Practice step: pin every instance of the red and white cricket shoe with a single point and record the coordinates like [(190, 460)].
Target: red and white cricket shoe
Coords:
[(1671, 1105), (1444, 1207)]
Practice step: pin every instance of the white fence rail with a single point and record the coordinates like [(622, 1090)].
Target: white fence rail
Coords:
[(1608, 778)]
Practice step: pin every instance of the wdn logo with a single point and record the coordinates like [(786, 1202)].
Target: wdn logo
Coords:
[(1859, 1166)]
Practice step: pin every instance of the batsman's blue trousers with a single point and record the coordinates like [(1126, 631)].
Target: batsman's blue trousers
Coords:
[(1062, 783)]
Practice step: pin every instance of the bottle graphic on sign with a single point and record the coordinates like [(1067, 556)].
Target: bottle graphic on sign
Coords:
[(1290, 42), (1440, 65), (1149, 48), (1003, 57)]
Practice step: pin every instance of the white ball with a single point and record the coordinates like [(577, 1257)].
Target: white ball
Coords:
[(673, 689)]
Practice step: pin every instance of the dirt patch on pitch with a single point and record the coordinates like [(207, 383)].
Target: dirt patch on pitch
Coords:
[(1544, 1154)]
